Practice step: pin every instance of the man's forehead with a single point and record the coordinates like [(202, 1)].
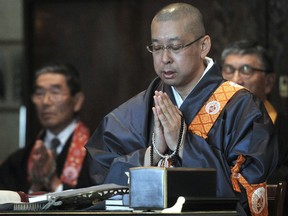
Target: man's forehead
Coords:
[(51, 79), (51, 76), (243, 58), (168, 31)]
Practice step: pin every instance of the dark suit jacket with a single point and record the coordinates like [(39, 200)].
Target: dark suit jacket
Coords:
[(13, 171)]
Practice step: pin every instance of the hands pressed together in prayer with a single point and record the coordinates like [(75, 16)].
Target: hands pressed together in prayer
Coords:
[(167, 125), (42, 169)]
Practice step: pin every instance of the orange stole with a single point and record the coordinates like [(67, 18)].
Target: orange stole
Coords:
[(76, 155), (201, 125), (208, 114), (256, 193)]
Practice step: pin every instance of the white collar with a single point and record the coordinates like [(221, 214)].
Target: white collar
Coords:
[(62, 136), (178, 99)]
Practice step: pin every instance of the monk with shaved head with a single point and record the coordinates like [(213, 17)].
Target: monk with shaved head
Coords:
[(189, 116)]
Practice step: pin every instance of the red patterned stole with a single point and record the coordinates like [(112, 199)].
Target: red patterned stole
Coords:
[(76, 155)]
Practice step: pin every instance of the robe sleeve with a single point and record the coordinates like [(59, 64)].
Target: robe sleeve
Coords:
[(251, 133), (243, 127), (122, 138)]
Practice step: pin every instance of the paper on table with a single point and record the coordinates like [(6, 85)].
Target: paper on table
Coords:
[(7, 196)]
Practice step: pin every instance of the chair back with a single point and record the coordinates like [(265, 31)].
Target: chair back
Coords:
[(276, 198)]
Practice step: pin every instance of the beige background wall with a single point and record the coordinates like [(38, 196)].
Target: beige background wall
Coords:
[(11, 58)]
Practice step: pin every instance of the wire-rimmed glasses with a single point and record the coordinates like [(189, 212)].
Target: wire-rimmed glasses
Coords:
[(174, 48), (55, 94), (245, 70)]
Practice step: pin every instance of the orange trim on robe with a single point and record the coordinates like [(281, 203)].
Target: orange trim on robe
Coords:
[(201, 125), (271, 111), (256, 193), (208, 114)]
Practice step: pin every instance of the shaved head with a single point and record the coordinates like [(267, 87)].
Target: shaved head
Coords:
[(177, 11)]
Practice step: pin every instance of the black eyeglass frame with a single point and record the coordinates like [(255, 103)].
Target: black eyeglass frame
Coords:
[(169, 47), (241, 70)]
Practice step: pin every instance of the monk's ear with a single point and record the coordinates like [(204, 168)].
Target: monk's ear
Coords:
[(205, 46)]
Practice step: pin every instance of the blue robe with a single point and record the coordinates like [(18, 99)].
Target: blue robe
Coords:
[(243, 127)]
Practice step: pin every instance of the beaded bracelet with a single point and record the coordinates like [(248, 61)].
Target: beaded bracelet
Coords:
[(164, 161)]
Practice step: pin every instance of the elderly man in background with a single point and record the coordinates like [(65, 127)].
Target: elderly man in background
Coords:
[(57, 159)]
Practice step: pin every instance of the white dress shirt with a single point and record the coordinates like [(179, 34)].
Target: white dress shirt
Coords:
[(63, 136)]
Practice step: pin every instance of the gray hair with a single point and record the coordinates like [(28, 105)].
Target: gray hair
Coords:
[(70, 72), (248, 47)]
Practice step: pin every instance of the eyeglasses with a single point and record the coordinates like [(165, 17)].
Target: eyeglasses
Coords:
[(174, 48), (244, 70), (55, 94)]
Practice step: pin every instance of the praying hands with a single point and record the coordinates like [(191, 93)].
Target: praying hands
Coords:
[(42, 168), (169, 128)]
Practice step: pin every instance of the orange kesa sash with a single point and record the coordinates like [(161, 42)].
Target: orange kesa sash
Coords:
[(256, 193), (201, 125), (208, 114)]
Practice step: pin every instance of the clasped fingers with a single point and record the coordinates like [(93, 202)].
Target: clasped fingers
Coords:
[(168, 113)]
